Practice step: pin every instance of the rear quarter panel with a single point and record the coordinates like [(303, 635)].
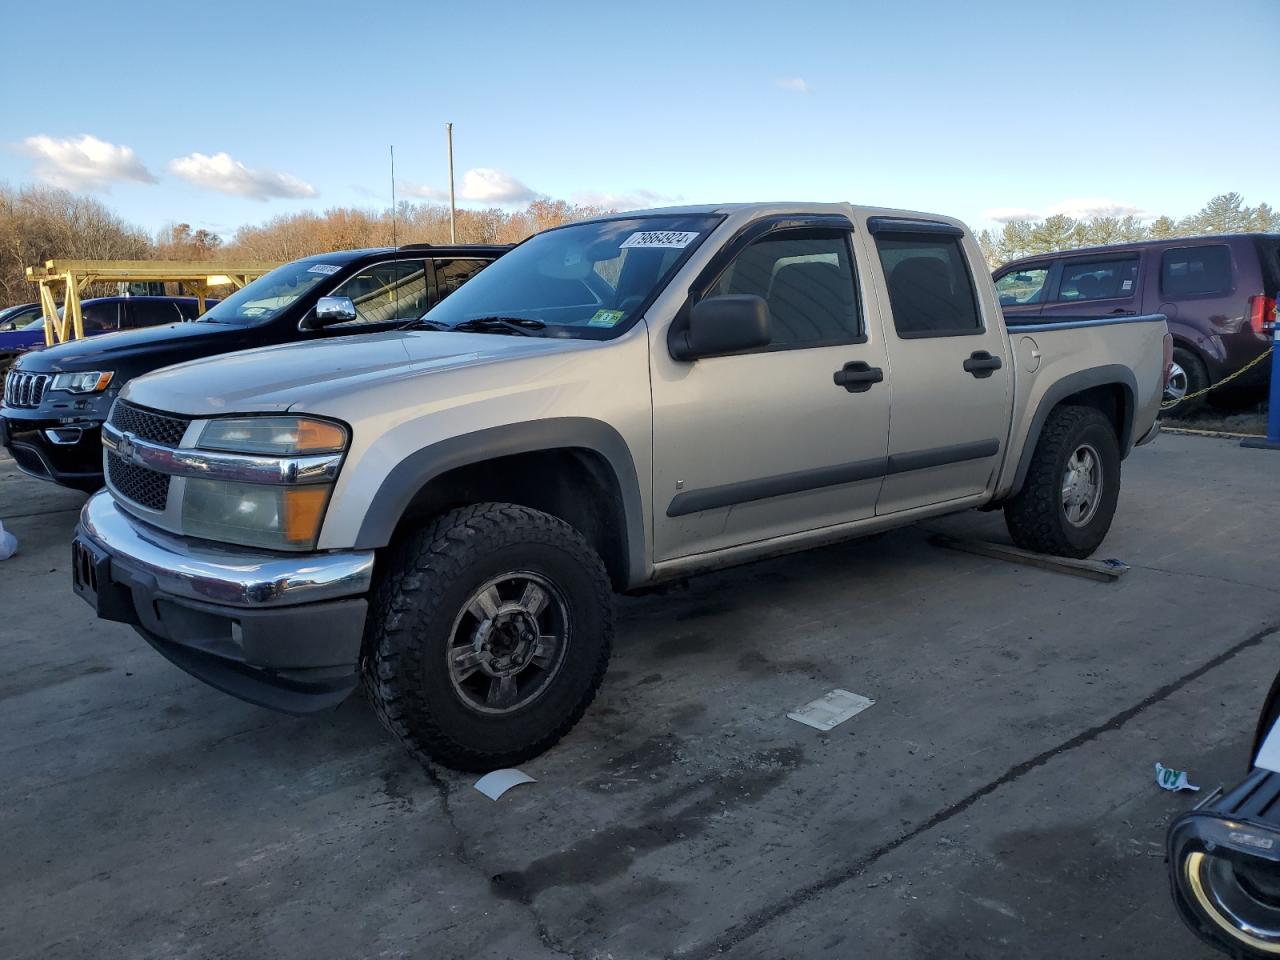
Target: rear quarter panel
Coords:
[(1098, 352)]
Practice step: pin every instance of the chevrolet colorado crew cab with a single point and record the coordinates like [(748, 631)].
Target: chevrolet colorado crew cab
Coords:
[(445, 510), (56, 400)]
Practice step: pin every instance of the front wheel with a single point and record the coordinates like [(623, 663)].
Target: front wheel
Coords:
[(488, 637), (1069, 496)]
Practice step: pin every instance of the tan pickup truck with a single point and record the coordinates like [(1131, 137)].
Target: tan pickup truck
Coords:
[(446, 510)]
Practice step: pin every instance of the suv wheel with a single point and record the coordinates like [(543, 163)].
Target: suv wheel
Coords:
[(1069, 496), (488, 636), (1187, 375)]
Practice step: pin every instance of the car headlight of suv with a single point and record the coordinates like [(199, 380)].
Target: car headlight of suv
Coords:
[(89, 381), (274, 490)]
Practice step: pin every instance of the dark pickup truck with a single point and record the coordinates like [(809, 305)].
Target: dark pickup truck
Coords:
[(1218, 294), (56, 400)]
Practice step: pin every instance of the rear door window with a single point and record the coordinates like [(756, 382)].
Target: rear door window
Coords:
[(100, 317), (451, 274), (1108, 278), (149, 313), (1196, 271), (930, 289)]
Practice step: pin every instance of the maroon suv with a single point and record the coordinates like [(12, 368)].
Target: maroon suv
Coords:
[(1218, 293)]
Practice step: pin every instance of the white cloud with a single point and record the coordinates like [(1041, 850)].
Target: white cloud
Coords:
[(85, 162), (421, 190), (487, 185), (629, 200), (793, 84), (479, 185), (225, 174), (1083, 208), (1079, 208), (1010, 214)]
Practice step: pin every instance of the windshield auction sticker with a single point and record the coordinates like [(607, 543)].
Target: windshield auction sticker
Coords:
[(669, 239), (326, 268)]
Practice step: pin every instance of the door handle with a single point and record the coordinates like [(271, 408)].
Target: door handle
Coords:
[(982, 364), (1121, 311), (857, 377)]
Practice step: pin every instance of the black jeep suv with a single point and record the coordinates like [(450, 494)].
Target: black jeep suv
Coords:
[(56, 400)]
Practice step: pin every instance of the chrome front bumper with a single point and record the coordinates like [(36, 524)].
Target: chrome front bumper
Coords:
[(281, 630), (198, 570)]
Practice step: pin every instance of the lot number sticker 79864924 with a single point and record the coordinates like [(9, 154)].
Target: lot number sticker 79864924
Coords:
[(670, 239)]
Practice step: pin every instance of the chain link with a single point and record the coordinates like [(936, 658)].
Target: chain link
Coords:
[(1166, 404)]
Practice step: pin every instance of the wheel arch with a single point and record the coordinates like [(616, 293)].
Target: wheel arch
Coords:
[(1111, 389), (575, 468)]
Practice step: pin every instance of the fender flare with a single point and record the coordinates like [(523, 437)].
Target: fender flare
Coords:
[(419, 468), (1108, 375)]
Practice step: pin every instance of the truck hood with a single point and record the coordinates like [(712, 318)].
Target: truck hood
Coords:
[(313, 372), (136, 351)]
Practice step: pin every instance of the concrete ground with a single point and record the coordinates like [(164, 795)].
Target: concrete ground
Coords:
[(997, 801)]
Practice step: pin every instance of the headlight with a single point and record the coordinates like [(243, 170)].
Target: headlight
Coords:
[(283, 436), (1224, 861), (279, 516), (94, 381)]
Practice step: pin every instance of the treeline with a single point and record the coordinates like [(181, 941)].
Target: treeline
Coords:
[(294, 235), (39, 223), (1225, 213)]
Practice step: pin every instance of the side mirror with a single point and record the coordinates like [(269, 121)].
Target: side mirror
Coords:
[(332, 310), (725, 324)]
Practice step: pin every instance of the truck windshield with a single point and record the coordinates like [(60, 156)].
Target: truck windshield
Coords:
[(587, 280), (271, 293)]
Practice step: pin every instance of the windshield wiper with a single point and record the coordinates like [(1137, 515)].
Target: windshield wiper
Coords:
[(424, 322), (525, 326)]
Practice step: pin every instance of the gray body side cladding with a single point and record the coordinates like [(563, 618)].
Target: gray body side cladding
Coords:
[(561, 433)]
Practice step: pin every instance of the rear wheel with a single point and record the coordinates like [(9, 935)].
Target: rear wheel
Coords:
[(489, 636), (1187, 376), (1069, 496)]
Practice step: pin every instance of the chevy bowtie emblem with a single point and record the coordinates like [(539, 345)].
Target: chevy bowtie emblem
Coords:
[(125, 448)]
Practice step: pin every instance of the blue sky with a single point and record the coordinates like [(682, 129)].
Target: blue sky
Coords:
[(231, 113)]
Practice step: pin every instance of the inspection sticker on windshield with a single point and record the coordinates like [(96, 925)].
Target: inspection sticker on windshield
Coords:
[(669, 239), (326, 268), (605, 318)]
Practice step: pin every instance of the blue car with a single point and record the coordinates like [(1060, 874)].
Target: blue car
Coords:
[(21, 328)]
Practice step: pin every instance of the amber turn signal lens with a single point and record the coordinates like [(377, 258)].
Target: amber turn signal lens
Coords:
[(303, 509), (320, 436)]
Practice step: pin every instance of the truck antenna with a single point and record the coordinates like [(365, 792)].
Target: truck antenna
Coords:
[(393, 194)]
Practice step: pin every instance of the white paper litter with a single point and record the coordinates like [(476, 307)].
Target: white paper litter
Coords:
[(1268, 757), (1170, 779), (495, 784), (831, 709), (8, 543)]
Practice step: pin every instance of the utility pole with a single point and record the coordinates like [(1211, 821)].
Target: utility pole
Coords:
[(453, 210)]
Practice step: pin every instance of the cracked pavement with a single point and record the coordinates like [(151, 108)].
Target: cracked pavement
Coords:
[(997, 801)]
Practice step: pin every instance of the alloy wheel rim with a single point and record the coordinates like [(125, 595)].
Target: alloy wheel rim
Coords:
[(508, 642), (1082, 485)]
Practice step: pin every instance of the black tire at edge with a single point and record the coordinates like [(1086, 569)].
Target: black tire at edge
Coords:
[(1035, 516), (412, 613)]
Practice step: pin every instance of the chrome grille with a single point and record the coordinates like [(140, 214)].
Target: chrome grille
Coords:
[(148, 425), (25, 389), (144, 487)]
